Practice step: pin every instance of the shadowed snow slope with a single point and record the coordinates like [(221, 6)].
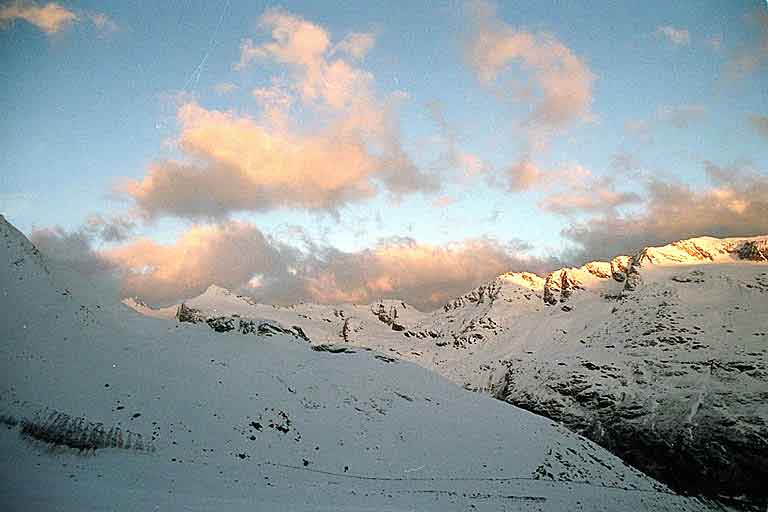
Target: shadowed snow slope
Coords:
[(105, 409), (660, 357)]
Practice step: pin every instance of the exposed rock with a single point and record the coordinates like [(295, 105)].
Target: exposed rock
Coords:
[(619, 267), (221, 323), (756, 250), (187, 314)]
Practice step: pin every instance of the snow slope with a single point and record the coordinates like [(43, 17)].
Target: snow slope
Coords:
[(104, 409), (660, 357)]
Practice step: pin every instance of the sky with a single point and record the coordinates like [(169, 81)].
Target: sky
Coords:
[(352, 151)]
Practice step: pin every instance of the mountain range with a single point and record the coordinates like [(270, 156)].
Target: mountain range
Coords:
[(660, 357)]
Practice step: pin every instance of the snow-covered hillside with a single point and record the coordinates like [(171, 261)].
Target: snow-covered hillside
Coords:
[(660, 357), (104, 409)]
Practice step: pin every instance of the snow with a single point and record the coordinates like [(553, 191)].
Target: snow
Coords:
[(230, 421), (681, 354)]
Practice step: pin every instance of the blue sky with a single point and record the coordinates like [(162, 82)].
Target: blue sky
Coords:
[(93, 102)]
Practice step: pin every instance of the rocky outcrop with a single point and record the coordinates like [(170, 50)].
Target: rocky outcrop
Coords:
[(485, 294), (560, 285), (190, 315), (755, 250), (696, 448), (619, 267), (229, 323), (388, 316)]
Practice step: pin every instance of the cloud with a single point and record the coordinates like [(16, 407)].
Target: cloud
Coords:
[(227, 254), (238, 256), (561, 88), (524, 175), (424, 275), (71, 250), (735, 204), (681, 117), (114, 229), (596, 195), (453, 158), (305, 49), (356, 45), (760, 124), (240, 164), (677, 36), (341, 145), (50, 18)]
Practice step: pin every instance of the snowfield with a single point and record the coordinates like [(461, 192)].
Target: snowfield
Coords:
[(102, 408), (661, 357)]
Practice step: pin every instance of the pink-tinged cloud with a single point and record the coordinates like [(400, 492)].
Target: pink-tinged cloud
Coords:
[(50, 18), (524, 175), (593, 196), (345, 147), (238, 256), (305, 49), (356, 45), (561, 80), (421, 274), (735, 204), (53, 17), (239, 164), (675, 35), (228, 255)]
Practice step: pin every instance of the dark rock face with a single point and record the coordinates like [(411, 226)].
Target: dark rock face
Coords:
[(190, 315), (388, 317), (560, 285), (221, 323), (688, 414), (485, 294), (224, 323), (754, 251)]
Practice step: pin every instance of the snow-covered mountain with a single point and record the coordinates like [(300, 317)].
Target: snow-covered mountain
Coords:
[(105, 409), (660, 357)]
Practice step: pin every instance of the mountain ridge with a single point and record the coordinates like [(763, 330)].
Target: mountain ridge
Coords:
[(660, 357)]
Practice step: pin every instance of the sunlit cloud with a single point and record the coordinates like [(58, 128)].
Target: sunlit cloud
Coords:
[(593, 196), (356, 45), (238, 256), (345, 148), (50, 18), (228, 255), (734, 204), (562, 80)]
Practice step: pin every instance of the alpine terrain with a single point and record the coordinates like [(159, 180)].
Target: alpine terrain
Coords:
[(659, 357), (106, 409)]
